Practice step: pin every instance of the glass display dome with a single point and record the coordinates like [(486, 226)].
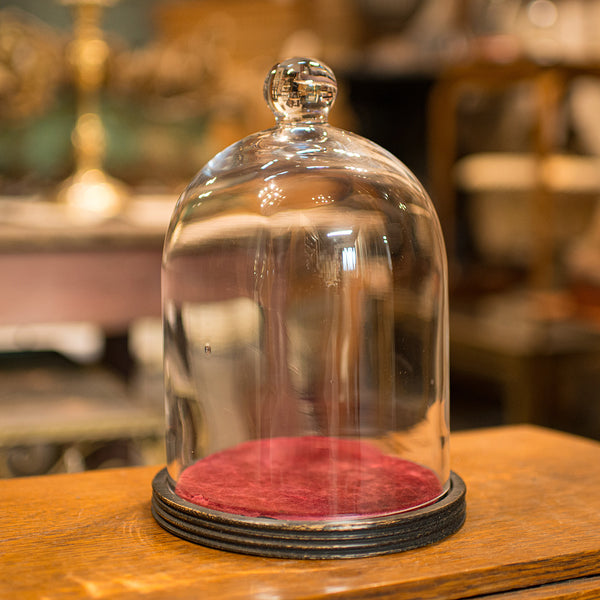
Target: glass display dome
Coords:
[(305, 311)]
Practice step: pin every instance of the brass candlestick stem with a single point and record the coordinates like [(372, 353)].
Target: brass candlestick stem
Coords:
[(90, 190)]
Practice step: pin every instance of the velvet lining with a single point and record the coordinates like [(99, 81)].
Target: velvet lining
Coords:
[(307, 478)]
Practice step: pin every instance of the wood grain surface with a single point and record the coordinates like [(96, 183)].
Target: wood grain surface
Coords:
[(532, 531)]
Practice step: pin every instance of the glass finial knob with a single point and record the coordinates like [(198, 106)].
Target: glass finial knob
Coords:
[(300, 89)]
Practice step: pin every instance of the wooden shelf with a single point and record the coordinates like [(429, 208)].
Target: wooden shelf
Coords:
[(532, 531)]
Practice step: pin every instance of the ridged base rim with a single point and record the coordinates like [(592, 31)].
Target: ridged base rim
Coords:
[(276, 538)]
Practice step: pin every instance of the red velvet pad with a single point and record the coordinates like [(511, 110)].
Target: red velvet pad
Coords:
[(307, 478)]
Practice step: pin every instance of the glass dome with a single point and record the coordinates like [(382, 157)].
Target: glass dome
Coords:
[(305, 312)]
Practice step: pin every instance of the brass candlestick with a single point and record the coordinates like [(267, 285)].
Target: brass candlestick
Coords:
[(90, 190)]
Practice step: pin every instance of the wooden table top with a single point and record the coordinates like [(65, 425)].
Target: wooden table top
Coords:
[(57, 267), (532, 531)]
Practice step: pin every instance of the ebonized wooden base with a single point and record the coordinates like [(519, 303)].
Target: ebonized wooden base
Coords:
[(351, 538)]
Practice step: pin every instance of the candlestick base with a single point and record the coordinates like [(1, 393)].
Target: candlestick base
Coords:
[(93, 195)]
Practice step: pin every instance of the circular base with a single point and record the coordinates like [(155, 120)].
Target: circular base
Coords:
[(351, 538), (307, 478)]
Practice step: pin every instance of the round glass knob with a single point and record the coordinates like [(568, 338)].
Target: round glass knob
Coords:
[(300, 89)]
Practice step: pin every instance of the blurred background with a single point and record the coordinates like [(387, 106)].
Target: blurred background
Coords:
[(109, 107)]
